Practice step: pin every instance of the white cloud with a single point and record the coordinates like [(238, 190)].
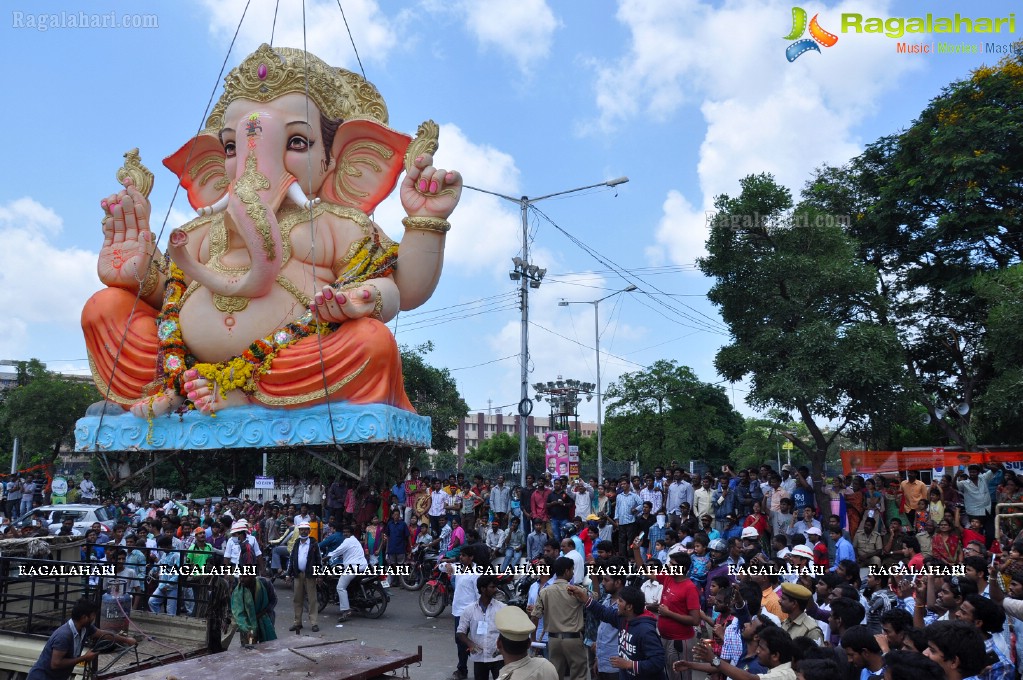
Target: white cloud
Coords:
[(376, 35), (569, 350), (522, 30), (42, 287), (485, 230), (762, 113)]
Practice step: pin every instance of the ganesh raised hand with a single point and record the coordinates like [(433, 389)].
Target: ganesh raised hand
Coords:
[(128, 244), (428, 191)]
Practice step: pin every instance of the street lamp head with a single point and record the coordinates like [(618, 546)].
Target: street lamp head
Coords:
[(563, 303), (514, 276), (616, 182), (629, 288)]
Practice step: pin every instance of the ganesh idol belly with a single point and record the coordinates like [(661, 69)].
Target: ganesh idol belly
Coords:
[(216, 327)]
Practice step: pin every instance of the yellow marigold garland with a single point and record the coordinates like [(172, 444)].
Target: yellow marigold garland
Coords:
[(371, 260)]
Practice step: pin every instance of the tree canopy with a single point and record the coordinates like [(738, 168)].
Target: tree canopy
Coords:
[(666, 413), (42, 409)]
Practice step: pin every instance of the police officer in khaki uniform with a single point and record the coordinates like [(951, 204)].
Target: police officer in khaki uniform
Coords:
[(793, 602), (514, 633), (563, 622)]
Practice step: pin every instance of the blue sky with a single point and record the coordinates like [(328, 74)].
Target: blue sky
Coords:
[(533, 97)]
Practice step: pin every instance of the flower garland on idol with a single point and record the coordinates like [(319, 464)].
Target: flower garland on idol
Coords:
[(371, 260)]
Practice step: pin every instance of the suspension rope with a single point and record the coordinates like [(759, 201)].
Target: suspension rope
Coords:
[(163, 226), (354, 48), (273, 27), (312, 240)]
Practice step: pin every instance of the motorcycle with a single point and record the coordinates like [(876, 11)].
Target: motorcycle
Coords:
[(436, 594), (423, 563), (366, 595)]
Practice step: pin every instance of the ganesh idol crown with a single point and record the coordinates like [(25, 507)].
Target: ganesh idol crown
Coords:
[(277, 295)]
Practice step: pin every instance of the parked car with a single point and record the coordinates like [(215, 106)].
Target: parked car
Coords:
[(83, 515)]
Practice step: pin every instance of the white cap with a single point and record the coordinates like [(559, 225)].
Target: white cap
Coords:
[(750, 532), (814, 530), (240, 525), (802, 551)]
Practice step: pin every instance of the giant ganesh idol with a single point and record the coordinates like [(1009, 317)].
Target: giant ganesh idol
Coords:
[(278, 294)]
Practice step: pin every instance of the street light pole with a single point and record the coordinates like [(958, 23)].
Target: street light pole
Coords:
[(600, 402), (530, 276)]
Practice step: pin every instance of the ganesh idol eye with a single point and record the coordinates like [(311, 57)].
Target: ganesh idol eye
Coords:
[(229, 149), (299, 143)]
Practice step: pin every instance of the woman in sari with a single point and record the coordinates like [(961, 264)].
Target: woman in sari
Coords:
[(854, 504), (946, 544), (372, 541), (252, 604), (873, 501), (758, 520)]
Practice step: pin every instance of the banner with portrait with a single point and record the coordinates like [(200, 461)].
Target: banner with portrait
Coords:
[(556, 453)]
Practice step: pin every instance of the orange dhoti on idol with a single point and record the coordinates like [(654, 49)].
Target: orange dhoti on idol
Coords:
[(358, 361)]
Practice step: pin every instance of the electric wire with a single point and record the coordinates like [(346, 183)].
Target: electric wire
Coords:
[(163, 226), (592, 349), (485, 363), (710, 325)]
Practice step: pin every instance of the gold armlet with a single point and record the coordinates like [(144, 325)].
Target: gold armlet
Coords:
[(152, 279), (378, 306), (437, 225)]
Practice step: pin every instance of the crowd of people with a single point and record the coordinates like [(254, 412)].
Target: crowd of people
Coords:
[(744, 573)]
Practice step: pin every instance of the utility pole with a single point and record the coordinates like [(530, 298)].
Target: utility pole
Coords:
[(529, 276)]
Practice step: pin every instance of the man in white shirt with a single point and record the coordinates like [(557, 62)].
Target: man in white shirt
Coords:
[(495, 539), (583, 496), (464, 596), (303, 516), (313, 497), (28, 492), (702, 504), (679, 491), (438, 507), (477, 629), (568, 550), (87, 489), (351, 554), (240, 534)]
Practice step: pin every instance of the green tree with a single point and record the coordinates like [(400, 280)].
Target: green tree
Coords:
[(666, 413), (503, 447), (434, 393), (939, 211), (42, 409), (802, 310)]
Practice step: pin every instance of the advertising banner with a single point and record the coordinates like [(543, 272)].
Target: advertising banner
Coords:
[(886, 462), (573, 461), (556, 454)]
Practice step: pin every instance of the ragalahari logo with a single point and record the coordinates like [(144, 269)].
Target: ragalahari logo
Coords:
[(818, 35)]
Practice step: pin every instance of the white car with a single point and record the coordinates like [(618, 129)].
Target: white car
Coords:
[(83, 515)]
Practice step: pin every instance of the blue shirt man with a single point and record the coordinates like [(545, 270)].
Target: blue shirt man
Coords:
[(843, 548), (627, 506)]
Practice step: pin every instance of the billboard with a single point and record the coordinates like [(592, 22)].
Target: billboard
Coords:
[(556, 454)]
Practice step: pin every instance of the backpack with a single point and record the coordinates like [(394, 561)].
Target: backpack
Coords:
[(246, 555)]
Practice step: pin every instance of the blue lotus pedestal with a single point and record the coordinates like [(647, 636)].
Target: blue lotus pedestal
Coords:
[(255, 427)]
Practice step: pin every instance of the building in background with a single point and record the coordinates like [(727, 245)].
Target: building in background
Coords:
[(479, 426)]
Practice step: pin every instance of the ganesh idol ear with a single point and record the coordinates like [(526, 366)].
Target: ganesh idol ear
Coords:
[(369, 158), (199, 165)]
